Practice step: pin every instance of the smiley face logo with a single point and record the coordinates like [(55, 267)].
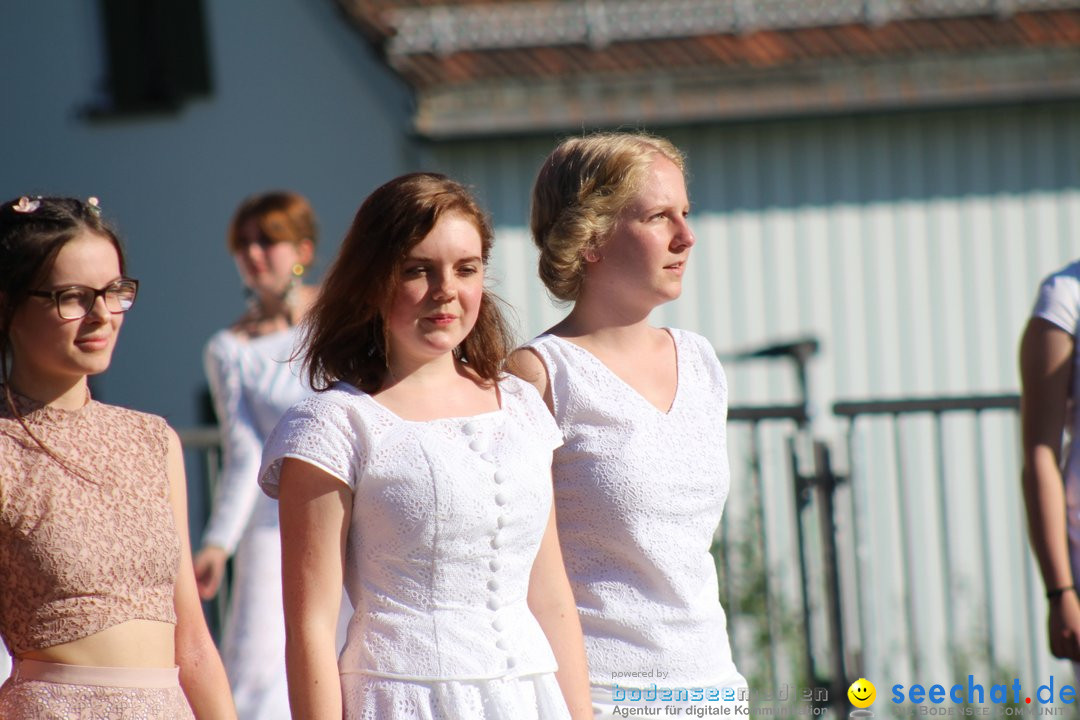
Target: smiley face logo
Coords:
[(862, 693)]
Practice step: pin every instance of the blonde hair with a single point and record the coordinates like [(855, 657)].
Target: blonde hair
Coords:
[(582, 187)]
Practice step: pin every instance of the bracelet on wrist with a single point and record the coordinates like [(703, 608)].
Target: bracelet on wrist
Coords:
[(1058, 592)]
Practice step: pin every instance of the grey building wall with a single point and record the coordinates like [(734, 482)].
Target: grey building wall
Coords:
[(299, 102), (911, 245)]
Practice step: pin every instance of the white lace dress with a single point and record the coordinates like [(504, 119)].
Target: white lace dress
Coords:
[(639, 495), (252, 384), (447, 517)]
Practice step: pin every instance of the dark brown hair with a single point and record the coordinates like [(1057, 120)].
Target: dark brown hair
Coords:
[(29, 244), (281, 216), (344, 329), (32, 233)]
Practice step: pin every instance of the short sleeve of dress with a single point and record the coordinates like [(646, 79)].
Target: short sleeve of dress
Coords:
[(321, 430), (537, 416), (1059, 299)]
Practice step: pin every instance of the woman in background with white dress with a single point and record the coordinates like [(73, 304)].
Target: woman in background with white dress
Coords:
[(642, 478), (272, 239)]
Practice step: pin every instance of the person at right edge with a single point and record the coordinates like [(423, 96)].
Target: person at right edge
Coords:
[(1048, 406), (641, 481)]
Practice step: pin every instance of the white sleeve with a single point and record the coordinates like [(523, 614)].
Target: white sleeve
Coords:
[(1059, 299), (716, 374), (536, 410), (236, 491), (321, 432)]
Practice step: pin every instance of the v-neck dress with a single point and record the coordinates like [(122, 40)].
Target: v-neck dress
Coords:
[(447, 517), (639, 494)]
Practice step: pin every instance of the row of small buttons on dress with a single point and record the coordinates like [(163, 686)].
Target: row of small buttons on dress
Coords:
[(482, 445)]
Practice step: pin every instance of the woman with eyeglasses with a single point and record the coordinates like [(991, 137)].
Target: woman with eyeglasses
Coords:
[(98, 604), (272, 238)]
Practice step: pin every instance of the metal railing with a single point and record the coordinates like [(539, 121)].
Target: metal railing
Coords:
[(202, 458), (946, 469), (825, 572), (912, 557)]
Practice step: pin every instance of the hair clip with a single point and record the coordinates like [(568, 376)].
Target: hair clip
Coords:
[(94, 204), (26, 205)]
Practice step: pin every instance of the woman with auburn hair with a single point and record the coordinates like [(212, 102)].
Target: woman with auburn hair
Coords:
[(421, 477), (641, 480), (272, 239), (99, 607)]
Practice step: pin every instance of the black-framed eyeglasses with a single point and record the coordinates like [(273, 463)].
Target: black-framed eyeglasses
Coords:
[(76, 302)]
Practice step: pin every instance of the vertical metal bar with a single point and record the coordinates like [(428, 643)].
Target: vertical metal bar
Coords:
[(984, 515), (825, 487), (763, 547), (731, 601), (905, 550), (799, 487), (220, 602), (859, 542), (946, 559)]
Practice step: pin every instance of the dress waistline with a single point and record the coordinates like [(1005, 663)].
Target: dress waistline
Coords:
[(130, 677)]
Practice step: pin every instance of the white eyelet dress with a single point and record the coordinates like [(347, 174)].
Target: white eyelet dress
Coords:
[(252, 384), (639, 494), (447, 517)]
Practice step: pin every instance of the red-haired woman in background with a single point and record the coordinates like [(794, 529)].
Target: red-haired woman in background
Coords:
[(272, 239)]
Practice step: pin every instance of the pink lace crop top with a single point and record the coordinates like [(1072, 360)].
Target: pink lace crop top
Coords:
[(81, 554)]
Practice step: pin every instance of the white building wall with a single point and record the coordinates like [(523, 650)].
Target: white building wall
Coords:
[(911, 246)]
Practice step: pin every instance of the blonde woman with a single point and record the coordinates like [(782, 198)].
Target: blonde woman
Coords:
[(642, 477)]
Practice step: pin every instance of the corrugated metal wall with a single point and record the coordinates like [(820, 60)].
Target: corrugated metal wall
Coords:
[(911, 245)]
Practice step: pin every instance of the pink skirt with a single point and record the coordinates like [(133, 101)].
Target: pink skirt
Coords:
[(51, 691)]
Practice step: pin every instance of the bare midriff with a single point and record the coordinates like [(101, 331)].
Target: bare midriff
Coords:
[(135, 643)]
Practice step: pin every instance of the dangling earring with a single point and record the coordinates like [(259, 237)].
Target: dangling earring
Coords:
[(291, 296)]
